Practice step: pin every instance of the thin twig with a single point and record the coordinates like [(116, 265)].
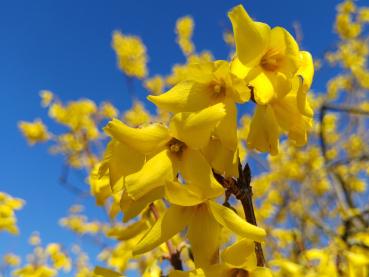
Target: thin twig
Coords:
[(241, 189)]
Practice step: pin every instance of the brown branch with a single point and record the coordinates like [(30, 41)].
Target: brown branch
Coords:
[(174, 254), (343, 194), (241, 189)]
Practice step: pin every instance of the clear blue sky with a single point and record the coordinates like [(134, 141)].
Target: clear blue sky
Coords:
[(64, 46)]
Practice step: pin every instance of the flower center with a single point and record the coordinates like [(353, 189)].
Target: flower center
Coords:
[(218, 88), (176, 146), (271, 60)]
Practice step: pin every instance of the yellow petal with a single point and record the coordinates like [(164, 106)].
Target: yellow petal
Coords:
[(238, 69), (204, 230), (193, 273), (226, 131), (183, 195), (144, 140), (174, 220), (196, 171), (238, 254), (128, 232), (290, 119), (186, 96), (194, 129), (261, 272), (251, 37), (306, 69), (263, 89), (121, 160), (131, 208), (221, 159), (218, 270), (229, 219), (156, 172), (264, 131), (283, 42), (104, 272)]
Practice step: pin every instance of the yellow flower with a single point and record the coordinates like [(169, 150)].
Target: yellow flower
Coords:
[(46, 97), (137, 115), (131, 54), (290, 113), (168, 150), (155, 85), (267, 58), (8, 205), (34, 131), (193, 205), (209, 83), (184, 30), (108, 110)]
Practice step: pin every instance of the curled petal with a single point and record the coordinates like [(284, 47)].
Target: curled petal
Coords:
[(290, 119), (128, 232), (121, 160), (156, 172), (197, 172), (145, 140), (240, 254), (174, 220), (221, 159), (229, 219), (306, 69), (131, 208), (186, 96), (195, 129), (251, 37), (183, 195), (264, 131), (283, 42)]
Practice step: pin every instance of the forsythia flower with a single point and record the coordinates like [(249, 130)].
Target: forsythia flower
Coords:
[(131, 54), (8, 205), (184, 30), (46, 97), (272, 68), (34, 131)]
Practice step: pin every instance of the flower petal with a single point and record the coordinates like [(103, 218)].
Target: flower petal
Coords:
[(144, 140), (229, 219), (264, 131), (121, 160), (283, 42), (196, 171), (186, 96), (183, 195), (194, 129), (156, 172), (261, 272), (239, 254), (251, 37), (204, 236), (263, 88), (174, 220), (290, 119), (226, 131), (131, 208), (221, 159)]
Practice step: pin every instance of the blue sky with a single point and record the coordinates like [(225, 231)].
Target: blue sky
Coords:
[(64, 46)]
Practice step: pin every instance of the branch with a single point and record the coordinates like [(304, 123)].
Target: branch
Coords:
[(241, 189)]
